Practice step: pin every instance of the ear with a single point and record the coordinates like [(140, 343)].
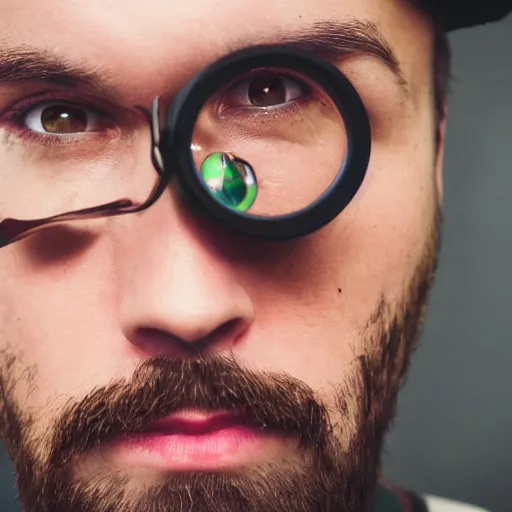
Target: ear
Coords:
[(439, 164)]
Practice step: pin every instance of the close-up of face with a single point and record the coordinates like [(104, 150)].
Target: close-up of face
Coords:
[(159, 360)]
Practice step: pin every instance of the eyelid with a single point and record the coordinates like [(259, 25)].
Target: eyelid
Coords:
[(262, 72)]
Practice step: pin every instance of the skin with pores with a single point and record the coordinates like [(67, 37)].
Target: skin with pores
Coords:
[(83, 309)]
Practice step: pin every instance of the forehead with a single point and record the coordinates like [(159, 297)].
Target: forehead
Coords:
[(134, 39), (136, 18)]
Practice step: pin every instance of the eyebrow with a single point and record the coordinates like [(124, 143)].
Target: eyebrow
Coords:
[(336, 40), (332, 40), (29, 64)]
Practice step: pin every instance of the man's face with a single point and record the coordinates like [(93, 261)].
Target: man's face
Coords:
[(160, 362)]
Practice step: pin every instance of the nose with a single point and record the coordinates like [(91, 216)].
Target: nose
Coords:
[(180, 294)]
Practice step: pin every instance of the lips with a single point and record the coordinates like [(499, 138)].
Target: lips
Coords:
[(195, 441), (197, 423)]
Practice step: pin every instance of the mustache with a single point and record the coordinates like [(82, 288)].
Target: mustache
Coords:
[(162, 386)]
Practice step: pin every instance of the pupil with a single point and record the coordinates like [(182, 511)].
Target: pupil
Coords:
[(267, 91), (64, 119)]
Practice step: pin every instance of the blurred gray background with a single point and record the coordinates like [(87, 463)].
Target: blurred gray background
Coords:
[(452, 434)]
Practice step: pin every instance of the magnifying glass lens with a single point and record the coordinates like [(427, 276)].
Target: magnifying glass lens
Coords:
[(269, 143)]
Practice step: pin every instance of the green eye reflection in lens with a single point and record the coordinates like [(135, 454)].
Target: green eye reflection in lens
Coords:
[(230, 180)]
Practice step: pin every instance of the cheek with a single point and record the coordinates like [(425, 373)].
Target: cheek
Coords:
[(389, 224), (55, 320), (315, 303)]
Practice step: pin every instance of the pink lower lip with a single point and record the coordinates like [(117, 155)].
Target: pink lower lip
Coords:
[(194, 448)]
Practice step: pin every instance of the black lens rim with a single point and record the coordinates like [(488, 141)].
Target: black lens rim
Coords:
[(180, 120)]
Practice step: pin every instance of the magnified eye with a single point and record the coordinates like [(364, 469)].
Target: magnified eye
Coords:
[(61, 119), (263, 91)]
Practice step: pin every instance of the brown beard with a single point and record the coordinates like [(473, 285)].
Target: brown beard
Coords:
[(330, 477)]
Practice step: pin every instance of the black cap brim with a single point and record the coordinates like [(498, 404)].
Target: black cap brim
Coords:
[(457, 14)]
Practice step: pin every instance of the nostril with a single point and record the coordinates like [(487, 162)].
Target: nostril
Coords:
[(154, 342), (228, 332), (220, 340)]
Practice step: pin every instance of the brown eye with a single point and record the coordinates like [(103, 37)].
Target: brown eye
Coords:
[(263, 91), (267, 91), (61, 119)]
